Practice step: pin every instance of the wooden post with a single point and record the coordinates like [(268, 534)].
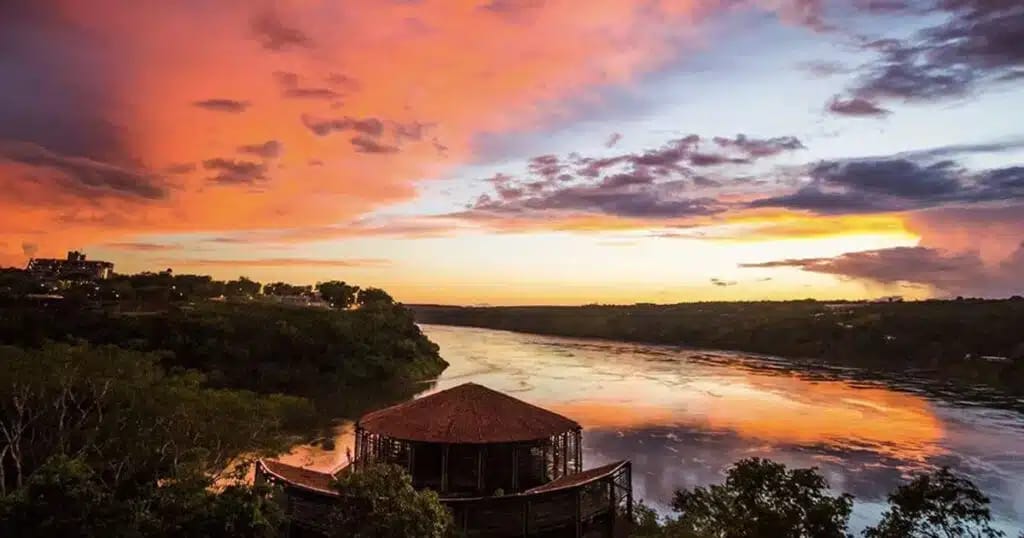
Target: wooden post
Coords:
[(480, 452), (526, 517), (579, 514), (565, 454), (544, 467), (555, 467), (515, 470), (629, 491), (579, 450), (411, 449), (612, 516), (444, 468), (359, 434)]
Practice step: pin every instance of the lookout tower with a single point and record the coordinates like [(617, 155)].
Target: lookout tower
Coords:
[(471, 441), (502, 466)]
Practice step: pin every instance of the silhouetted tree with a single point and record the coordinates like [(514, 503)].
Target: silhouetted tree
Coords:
[(243, 287), (374, 296), (337, 293), (284, 289), (379, 501), (940, 504), (761, 499)]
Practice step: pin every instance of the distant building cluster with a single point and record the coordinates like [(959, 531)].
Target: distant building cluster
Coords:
[(74, 267)]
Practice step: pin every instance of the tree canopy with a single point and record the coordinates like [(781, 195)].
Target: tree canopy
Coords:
[(374, 296), (379, 501), (764, 499), (337, 293), (760, 499), (936, 505), (100, 441)]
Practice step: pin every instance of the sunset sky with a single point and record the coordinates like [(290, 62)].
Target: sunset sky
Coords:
[(524, 151)]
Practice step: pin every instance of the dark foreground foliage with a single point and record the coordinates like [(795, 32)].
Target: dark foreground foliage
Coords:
[(380, 502), (764, 499), (101, 441), (946, 339)]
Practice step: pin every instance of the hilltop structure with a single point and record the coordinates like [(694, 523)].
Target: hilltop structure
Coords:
[(74, 267), (503, 467)]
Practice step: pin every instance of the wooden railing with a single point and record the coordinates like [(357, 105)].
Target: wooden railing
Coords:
[(599, 506)]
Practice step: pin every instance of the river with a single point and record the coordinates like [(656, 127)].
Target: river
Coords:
[(683, 416)]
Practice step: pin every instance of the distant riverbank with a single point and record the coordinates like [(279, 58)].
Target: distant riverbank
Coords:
[(962, 341)]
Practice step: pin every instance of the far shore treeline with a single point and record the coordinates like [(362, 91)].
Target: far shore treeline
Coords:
[(966, 341)]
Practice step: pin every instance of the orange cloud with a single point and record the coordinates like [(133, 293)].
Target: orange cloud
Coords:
[(184, 89), (271, 262)]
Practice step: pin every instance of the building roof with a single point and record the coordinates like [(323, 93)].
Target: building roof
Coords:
[(299, 477), (573, 480), (468, 413)]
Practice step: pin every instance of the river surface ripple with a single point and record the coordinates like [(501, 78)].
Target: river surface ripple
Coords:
[(683, 416)]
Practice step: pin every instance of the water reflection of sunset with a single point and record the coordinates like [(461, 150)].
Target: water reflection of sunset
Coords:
[(683, 416), (781, 409)]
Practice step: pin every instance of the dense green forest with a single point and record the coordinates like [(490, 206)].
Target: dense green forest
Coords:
[(949, 339), (102, 441), (262, 347), (130, 406), (237, 341)]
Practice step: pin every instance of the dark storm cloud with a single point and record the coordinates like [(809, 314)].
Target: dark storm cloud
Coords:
[(83, 176), (233, 172), (546, 166), (268, 150), (883, 6), (896, 184), (646, 202), (512, 7), (364, 126), (896, 177), (945, 152), (325, 94), (412, 131), (292, 87), (142, 247), (365, 144), (180, 168), (856, 106), (978, 42), (370, 131), (954, 273), (343, 82), (274, 34), (233, 106), (51, 98), (761, 147), (648, 184)]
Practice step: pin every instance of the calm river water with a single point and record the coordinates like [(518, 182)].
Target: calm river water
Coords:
[(683, 416)]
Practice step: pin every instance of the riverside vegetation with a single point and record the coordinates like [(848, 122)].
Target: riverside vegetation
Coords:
[(125, 404), (942, 339)]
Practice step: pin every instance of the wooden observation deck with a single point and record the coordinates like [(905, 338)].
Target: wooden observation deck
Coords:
[(502, 466)]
